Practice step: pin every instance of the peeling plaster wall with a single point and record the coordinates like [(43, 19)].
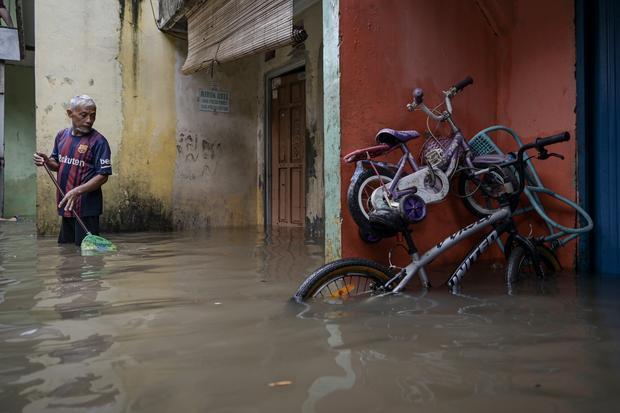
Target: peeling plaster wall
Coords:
[(133, 86), (215, 175), (145, 162), (219, 176)]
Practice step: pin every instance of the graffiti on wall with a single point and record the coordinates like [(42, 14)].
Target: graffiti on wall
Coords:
[(198, 153)]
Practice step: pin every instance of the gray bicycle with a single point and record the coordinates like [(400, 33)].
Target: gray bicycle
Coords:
[(355, 277)]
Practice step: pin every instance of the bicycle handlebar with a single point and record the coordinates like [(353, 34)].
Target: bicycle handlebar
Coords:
[(550, 140), (418, 99), (463, 84), (418, 95), (539, 144)]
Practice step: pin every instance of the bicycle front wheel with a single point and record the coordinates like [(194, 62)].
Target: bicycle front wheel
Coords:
[(521, 263), (344, 279)]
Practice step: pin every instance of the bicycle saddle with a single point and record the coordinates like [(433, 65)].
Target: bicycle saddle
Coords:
[(395, 137)]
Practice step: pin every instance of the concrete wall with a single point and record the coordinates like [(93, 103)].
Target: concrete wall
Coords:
[(215, 174), (521, 55), (537, 91), (219, 177), (119, 58), (19, 140), (388, 49)]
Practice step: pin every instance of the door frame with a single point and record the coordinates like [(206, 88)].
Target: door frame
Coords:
[(269, 76)]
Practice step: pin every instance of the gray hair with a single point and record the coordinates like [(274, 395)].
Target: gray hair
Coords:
[(81, 100)]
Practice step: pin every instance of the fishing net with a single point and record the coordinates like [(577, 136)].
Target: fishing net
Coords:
[(94, 243)]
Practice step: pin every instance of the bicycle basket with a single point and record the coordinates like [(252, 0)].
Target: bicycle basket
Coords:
[(481, 144), (434, 149)]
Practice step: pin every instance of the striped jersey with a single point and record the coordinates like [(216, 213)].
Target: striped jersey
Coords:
[(80, 159)]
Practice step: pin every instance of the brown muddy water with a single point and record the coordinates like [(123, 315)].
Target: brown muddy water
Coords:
[(202, 322)]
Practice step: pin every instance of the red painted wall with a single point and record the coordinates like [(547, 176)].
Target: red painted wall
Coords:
[(520, 54), (537, 92)]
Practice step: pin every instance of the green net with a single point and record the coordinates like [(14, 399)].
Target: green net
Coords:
[(94, 243)]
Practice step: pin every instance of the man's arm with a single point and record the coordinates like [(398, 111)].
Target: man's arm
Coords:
[(69, 200), (39, 158)]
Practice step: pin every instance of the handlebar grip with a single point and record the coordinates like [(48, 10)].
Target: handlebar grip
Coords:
[(418, 95), (464, 83), (550, 140)]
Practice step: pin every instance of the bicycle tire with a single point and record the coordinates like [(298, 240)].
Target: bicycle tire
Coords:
[(357, 188), (468, 196), (518, 262), (314, 286)]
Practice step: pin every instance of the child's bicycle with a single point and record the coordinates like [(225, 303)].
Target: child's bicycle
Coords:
[(408, 186), (352, 277)]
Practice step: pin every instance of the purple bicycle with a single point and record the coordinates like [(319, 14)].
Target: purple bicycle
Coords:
[(409, 187)]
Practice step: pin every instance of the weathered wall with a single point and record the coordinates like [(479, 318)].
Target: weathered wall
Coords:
[(215, 174), (520, 53), (387, 49), (219, 177), (19, 140), (145, 160), (119, 58)]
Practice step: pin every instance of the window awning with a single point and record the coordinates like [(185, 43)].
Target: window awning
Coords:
[(225, 30)]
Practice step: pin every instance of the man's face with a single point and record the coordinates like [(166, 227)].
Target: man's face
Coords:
[(83, 117)]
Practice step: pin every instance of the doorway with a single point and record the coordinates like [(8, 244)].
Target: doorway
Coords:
[(288, 126)]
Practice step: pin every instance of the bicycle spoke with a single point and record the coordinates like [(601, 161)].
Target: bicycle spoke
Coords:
[(349, 285)]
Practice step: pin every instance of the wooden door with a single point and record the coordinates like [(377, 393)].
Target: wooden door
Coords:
[(288, 127)]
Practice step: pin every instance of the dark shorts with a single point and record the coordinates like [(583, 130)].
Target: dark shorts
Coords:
[(71, 231), (2, 6)]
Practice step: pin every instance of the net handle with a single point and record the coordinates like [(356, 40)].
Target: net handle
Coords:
[(63, 195)]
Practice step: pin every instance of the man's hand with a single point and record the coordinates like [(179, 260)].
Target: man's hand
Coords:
[(69, 199), (39, 158)]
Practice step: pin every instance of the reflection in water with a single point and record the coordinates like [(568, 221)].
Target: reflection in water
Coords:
[(326, 385), (202, 321)]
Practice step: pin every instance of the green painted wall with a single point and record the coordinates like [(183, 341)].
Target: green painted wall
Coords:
[(20, 141), (331, 125)]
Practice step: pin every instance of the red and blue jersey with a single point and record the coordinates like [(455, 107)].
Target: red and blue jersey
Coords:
[(80, 159)]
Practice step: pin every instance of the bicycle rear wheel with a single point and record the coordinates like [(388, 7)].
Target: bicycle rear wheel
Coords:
[(480, 193), (359, 195), (344, 279)]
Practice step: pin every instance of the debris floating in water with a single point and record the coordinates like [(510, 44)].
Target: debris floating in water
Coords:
[(280, 383)]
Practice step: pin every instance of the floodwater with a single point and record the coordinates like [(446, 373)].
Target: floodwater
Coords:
[(202, 322)]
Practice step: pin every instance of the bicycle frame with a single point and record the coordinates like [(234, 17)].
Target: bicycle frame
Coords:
[(417, 263), (452, 154)]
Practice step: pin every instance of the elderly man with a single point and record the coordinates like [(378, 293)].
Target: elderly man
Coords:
[(81, 156)]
